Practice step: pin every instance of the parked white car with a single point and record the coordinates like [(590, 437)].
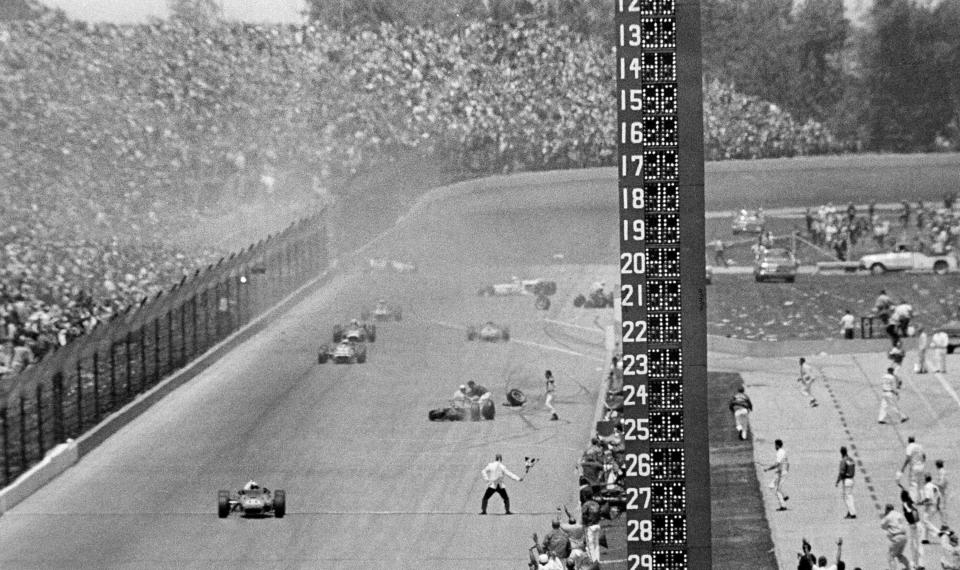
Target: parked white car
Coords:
[(903, 259)]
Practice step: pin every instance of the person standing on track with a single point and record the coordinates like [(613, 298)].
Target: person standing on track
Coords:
[(493, 474), (929, 508), (741, 406), (923, 342), (550, 389), (806, 380), (782, 467), (939, 343), (942, 484), (845, 477), (916, 458), (890, 386), (895, 525)]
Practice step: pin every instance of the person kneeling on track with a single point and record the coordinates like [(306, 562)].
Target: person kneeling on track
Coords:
[(477, 392)]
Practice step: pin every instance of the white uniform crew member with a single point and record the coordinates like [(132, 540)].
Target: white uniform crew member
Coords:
[(895, 525), (806, 379), (551, 387), (493, 474), (782, 467), (916, 459), (938, 346), (460, 397), (847, 323), (929, 508), (890, 387)]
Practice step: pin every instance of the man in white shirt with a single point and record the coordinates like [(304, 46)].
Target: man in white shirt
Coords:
[(923, 342), (806, 379), (782, 466), (895, 525), (939, 343), (890, 397), (930, 507), (916, 458), (493, 474), (847, 322), (460, 397)]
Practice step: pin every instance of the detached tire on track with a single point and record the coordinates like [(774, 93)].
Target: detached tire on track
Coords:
[(516, 397)]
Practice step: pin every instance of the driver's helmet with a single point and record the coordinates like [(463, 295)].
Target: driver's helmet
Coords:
[(251, 485), (381, 302), (355, 322)]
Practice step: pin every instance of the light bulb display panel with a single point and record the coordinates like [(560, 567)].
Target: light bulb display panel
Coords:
[(662, 301)]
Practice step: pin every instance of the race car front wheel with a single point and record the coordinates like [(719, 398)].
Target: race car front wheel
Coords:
[(223, 504)]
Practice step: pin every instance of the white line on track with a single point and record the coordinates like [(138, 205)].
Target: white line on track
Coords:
[(594, 329), (943, 382), (557, 349), (528, 343)]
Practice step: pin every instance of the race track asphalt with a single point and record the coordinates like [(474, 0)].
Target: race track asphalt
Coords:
[(370, 482)]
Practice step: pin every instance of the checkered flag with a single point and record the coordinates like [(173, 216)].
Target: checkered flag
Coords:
[(529, 462)]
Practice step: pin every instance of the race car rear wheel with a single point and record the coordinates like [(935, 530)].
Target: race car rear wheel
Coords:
[(223, 504), (878, 269), (471, 334), (506, 333), (397, 314), (279, 504), (322, 357), (579, 301), (940, 267), (361, 358)]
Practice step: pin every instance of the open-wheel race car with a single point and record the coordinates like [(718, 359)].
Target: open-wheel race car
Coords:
[(252, 501), (355, 331), (748, 222), (382, 312), (596, 300), (383, 264), (344, 352), (517, 286), (488, 331)]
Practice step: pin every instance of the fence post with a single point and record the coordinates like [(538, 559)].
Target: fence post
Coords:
[(39, 411), (23, 433), (96, 386), (170, 340), (113, 374), (156, 350), (193, 316), (59, 429), (217, 313), (79, 398), (129, 365), (182, 360), (143, 358), (5, 433)]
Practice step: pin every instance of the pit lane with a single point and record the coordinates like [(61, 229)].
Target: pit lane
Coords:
[(369, 481)]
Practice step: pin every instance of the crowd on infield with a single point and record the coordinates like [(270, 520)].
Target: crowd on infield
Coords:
[(922, 515)]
